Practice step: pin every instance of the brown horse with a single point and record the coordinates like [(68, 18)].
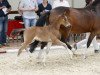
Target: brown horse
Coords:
[(49, 34), (82, 20)]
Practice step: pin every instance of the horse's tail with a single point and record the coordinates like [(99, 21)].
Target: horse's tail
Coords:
[(44, 17), (15, 32)]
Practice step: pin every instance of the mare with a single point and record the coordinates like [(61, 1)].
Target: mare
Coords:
[(49, 34), (82, 20)]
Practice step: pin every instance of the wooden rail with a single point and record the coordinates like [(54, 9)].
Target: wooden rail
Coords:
[(13, 12)]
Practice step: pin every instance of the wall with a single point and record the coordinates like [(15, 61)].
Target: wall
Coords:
[(74, 3), (14, 5), (78, 3)]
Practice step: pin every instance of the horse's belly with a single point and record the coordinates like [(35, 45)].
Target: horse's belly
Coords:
[(43, 39), (78, 30)]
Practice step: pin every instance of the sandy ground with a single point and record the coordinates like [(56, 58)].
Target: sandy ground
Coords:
[(58, 63)]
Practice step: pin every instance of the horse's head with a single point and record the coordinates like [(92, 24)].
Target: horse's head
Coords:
[(63, 20)]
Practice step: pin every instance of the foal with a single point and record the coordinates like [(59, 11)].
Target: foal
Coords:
[(49, 34)]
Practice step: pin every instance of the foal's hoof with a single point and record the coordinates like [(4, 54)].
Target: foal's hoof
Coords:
[(75, 46), (73, 50), (96, 51), (31, 51)]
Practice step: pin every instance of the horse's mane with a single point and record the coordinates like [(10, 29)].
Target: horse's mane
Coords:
[(93, 5), (61, 9), (95, 2)]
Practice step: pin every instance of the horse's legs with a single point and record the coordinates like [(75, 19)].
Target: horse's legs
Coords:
[(33, 45), (95, 45), (29, 54), (81, 43), (63, 40), (24, 45), (48, 47), (74, 37), (46, 52), (91, 37), (19, 52), (63, 44), (43, 44), (68, 45), (64, 35)]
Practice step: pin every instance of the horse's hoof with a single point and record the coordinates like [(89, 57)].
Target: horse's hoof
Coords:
[(96, 51), (75, 46), (73, 50)]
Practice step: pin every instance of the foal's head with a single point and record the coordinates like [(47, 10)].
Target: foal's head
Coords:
[(63, 20)]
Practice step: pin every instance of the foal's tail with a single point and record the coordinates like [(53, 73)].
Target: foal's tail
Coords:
[(15, 32), (43, 18)]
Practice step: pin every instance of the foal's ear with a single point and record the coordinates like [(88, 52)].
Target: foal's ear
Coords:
[(64, 13)]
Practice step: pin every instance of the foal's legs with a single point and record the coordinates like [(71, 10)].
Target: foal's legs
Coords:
[(68, 45), (33, 45), (63, 44), (43, 44), (29, 54), (46, 51), (63, 40), (24, 45)]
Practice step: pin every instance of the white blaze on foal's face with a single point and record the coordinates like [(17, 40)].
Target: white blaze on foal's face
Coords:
[(65, 21)]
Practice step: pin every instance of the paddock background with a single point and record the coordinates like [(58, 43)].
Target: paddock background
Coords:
[(58, 61)]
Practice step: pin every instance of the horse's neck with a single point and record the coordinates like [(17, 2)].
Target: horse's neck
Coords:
[(54, 26)]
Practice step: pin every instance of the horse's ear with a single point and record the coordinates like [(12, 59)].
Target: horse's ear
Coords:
[(65, 13)]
